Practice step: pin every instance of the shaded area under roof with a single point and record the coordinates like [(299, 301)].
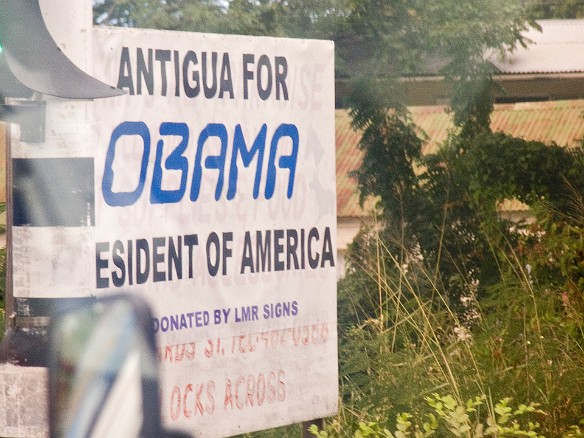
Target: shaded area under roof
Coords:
[(556, 121)]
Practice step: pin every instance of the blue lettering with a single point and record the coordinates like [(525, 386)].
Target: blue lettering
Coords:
[(175, 161), (240, 156), (212, 161), (247, 155), (122, 199), (287, 162)]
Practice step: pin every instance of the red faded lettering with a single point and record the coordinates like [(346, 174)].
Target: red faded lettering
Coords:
[(294, 337), (251, 389), (188, 413), (191, 352), (238, 402), (281, 385), (168, 353), (209, 348), (210, 407), (305, 335), (261, 390), (214, 347), (193, 400), (175, 406), (228, 400), (271, 387), (255, 390), (198, 404), (177, 353)]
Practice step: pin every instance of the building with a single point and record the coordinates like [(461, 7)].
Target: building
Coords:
[(549, 68), (561, 122)]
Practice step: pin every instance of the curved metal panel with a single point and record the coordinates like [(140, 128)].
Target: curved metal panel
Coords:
[(35, 59), (9, 85)]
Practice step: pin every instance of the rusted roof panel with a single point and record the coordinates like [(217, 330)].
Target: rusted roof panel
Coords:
[(561, 122), (348, 158)]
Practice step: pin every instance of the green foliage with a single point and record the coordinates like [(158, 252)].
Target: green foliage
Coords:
[(446, 211), (450, 418), (388, 168), (445, 416), (403, 340), (442, 208), (191, 15), (555, 8), (292, 18), (447, 37)]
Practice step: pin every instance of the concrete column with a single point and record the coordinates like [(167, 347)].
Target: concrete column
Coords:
[(23, 389)]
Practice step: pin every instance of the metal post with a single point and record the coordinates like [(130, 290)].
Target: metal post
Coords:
[(8, 297)]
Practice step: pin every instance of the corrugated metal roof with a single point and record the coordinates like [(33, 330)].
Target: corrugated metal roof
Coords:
[(561, 122), (556, 49), (348, 158)]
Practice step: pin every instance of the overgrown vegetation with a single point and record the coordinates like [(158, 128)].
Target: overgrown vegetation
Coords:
[(444, 297), (522, 339)]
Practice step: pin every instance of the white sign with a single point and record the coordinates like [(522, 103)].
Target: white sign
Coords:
[(209, 190), (215, 200)]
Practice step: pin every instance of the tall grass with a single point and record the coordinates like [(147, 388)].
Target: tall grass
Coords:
[(404, 339)]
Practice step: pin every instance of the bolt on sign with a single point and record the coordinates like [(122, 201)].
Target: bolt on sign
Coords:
[(209, 190)]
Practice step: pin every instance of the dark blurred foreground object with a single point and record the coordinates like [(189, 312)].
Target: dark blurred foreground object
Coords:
[(103, 372)]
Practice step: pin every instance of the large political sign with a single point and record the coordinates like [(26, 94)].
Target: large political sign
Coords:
[(208, 189)]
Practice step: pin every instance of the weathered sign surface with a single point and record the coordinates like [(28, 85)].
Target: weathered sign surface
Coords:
[(209, 189)]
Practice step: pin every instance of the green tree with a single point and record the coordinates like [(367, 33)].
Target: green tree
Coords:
[(291, 18), (430, 208), (556, 9), (188, 15), (448, 37)]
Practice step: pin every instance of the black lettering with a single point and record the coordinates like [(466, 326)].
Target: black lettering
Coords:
[(227, 252), (327, 249), (125, 73), (291, 248), (312, 261), (247, 258), (190, 241), (142, 265), (191, 90), (264, 62), (175, 258), (281, 73), (248, 58), (209, 90), (213, 266), (176, 73), (263, 252), (145, 72), (226, 81), (163, 56), (118, 279), (100, 263), (158, 258), (130, 263), (278, 250)]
